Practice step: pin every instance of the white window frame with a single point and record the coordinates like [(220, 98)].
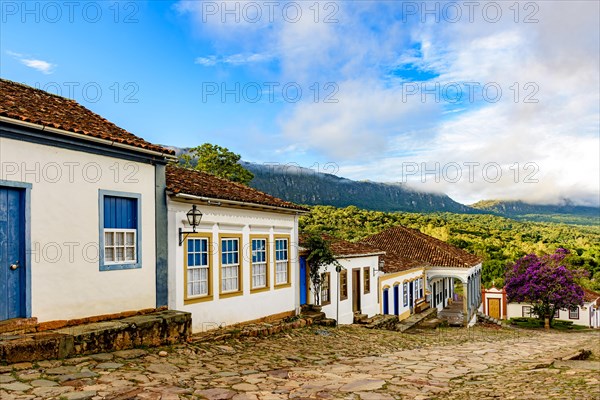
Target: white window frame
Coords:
[(230, 271), (206, 268), (264, 265), (279, 263), (124, 246)]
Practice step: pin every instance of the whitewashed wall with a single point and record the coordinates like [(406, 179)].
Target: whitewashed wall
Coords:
[(66, 281), (369, 304), (389, 280), (514, 310), (248, 306)]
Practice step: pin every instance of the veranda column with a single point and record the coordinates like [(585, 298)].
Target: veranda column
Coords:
[(466, 301)]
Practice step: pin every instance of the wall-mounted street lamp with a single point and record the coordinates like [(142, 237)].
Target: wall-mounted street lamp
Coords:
[(379, 267), (193, 216)]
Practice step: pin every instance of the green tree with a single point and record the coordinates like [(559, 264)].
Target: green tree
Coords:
[(218, 161), (319, 256)]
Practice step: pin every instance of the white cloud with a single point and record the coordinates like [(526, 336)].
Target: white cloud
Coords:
[(234, 59), (42, 66), (373, 130)]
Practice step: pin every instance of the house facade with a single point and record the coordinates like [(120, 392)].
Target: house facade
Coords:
[(81, 206), (587, 315), (351, 289), (420, 269), (240, 263)]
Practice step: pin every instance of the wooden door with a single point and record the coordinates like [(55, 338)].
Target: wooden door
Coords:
[(494, 308), (12, 253), (356, 290)]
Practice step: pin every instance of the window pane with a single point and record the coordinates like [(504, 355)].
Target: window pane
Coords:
[(130, 238), (129, 255), (109, 254), (109, 239), (120, 254)]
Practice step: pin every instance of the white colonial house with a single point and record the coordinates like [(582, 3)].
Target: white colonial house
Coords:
[(82, 207), (421, 271), (348, 290), (236, 263), (587, 315)]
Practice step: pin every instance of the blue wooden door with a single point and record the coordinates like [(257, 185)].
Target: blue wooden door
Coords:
[(396, 300), (386, 305), (12, 253), (303, 278)]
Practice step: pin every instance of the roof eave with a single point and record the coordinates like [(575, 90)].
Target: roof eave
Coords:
[(110, 143), (184, 197)]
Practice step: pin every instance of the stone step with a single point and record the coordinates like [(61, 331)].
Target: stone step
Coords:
[(18, 326), (361, 319), (327, 322), (314, 315)]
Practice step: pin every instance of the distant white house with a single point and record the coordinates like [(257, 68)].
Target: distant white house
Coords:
[(587, 315), (351, 290), (80, 199), (240, 264)]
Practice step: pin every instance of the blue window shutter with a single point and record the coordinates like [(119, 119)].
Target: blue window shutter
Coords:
[(120, 212)]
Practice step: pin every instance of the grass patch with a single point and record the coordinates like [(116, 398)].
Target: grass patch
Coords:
[(535, 323)]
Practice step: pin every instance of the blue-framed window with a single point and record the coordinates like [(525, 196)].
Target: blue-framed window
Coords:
[(405, 294), (259, 263), (230, 265), (198, 267), (120, 230)]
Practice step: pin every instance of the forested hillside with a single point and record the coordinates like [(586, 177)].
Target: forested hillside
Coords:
[(305, 186), (496, 239)]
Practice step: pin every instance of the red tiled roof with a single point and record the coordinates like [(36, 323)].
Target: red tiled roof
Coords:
[(343, 248), (405, 246), (24, 103), (590, 296), (197, 183)]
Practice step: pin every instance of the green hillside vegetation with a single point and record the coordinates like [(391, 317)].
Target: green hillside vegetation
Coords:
[(498, 240)]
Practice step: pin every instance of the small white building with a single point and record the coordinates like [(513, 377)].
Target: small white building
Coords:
[(80, 199), (587, 315), (494, 302), (240, 264), (354, 288)]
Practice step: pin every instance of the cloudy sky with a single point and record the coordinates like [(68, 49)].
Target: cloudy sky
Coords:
[(479, 100)]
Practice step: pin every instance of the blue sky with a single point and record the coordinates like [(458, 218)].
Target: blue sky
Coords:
[(492, 100)]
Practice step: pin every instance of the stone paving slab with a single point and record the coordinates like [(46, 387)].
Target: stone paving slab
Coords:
[(327, 363)]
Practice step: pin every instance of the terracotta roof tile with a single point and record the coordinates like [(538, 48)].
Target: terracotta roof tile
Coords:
[(590, 296), (405, 247), (24, 103), (197, 183), (343, 248)]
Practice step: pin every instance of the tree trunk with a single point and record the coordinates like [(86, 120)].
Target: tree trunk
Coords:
[(547, 322)]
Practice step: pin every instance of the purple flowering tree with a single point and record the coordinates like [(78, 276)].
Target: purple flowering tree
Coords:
[(545, 282)]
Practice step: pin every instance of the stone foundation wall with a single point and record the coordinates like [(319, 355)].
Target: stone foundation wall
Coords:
[(155, 329)]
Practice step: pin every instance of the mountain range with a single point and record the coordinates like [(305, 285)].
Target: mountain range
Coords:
[(310, 187)]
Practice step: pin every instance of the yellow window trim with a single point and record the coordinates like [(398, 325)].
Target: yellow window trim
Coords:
[(289, 262), (240, 291), (198, 299), (268, 250)]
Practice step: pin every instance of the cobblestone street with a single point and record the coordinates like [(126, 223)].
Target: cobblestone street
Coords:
[(347, 362)]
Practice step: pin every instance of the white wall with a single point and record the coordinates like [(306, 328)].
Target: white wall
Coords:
[(66, 281), (389, 280), (247, 306), (368, 301), (514, 310)]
